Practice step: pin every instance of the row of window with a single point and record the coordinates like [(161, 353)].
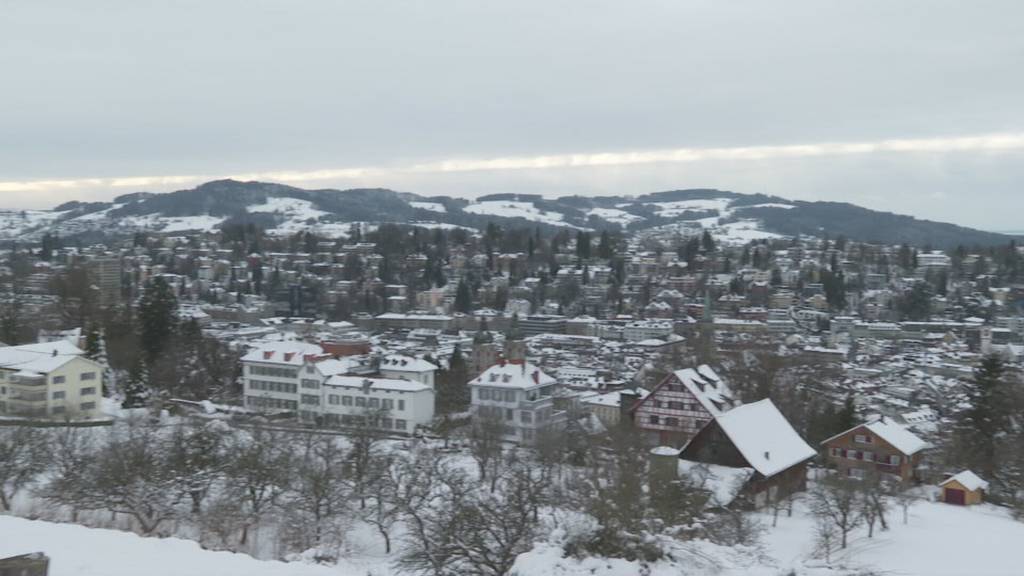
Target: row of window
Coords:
[(89, 391), (272, 386), (509, 415), (271, 403), (83, 376), (356, 420), (672, 421), (673, 405), (893, 459), (364, 402), (311, 384), (83, 406), (496, 395), (274, 371)]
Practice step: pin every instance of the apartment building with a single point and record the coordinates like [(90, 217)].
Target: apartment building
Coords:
[(520, 395), (50, 380)]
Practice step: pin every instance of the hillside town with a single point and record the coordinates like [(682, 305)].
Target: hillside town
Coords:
[(726, 375)]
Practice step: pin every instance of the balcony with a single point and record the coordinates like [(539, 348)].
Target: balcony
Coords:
[(27, 380)]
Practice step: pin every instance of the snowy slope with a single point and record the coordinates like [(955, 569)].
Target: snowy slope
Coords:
[(615, 215), (432, 206), (511, 209), (80, 551)]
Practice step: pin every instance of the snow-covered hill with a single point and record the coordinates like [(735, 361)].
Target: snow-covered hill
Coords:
[(285, 210)]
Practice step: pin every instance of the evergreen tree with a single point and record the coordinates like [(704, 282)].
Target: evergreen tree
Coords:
[(453, 393), (463, 297), (846, 418), (978, 428), (605, 251), (93, 342), (707, 243), (136, 390), (158, 317)]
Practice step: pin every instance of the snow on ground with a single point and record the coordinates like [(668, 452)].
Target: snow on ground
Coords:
[(510, 209), (766, 205), (432, 206), (742, 232), (678, 207), (939, 540), (14, 223), (615, 216), (79, 551), (205, 222)]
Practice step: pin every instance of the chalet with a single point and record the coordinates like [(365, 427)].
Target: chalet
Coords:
[(752, 450), (965, 488), (681, 405), (881, 446)]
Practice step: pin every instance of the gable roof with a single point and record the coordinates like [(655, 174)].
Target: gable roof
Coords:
[(400, 363), (764, 437), (513, 375), (41, 358), (898, 436), (968, 480), (704, 384)]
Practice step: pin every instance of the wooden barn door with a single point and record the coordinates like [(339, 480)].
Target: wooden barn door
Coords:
[(954, 496)]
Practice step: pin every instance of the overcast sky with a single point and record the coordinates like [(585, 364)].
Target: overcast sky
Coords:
[(909, 106)]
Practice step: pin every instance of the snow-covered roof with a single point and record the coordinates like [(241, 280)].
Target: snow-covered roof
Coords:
[(399, 363), (710, 390), (764, 437), (513, 375), (41, 358), (376, 383), (968, 480), (898, 436), (291, 353), (614, 398), (724, 483)]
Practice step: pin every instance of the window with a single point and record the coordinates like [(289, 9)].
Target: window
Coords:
[(374, 403), (385, 423), (346, 400), (87, 405), (307, 383), (274, 371), (333, 399), (401, 404), (526, 417), (869, 456), (510, 396), (310, 369), (857, 473), (673, 422), (894, 460), (310, 399), (87, 376), (360, 401), (88, 391), (57, 410), (483, 394), (510, 414), (269, 386), (58, 379), (399, 424), (654, 419), (58, 395), (387, 404), (862, 439)]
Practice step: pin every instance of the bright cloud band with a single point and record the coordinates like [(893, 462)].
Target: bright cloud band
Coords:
[(978, 143)]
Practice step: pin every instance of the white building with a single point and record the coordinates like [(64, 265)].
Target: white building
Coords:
[(399, 405), (519, 394), (301, 378), (640, 330), (408, 368), (51, 380)]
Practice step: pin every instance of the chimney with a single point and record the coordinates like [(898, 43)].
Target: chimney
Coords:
[(267, 355), (536, 376), (767, 455), (54, 352), (288, 356)]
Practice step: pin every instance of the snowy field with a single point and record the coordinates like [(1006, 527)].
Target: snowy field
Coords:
[(510, 209), (432, 206), (615, 216), (938, 540)]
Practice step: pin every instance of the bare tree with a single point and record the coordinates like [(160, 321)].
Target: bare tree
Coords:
[(431, 496), (129, 474), (874, 492), (258, 473), (836, 501), (365, 438), (385, 507), (485, 444), (196, 454), (24, 456), (318, 498), (70, 458)]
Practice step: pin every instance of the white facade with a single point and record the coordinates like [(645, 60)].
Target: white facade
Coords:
[(518, 394), (397, 405), (299, 377), (646, 330), (52, 380)]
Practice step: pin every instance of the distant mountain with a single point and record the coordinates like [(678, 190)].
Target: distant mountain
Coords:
[(730, 216)]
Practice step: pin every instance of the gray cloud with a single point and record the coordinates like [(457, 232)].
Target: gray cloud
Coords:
[(106, 89)]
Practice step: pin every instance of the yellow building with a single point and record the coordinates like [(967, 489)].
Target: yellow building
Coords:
[(51, 380), (964, 489)]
